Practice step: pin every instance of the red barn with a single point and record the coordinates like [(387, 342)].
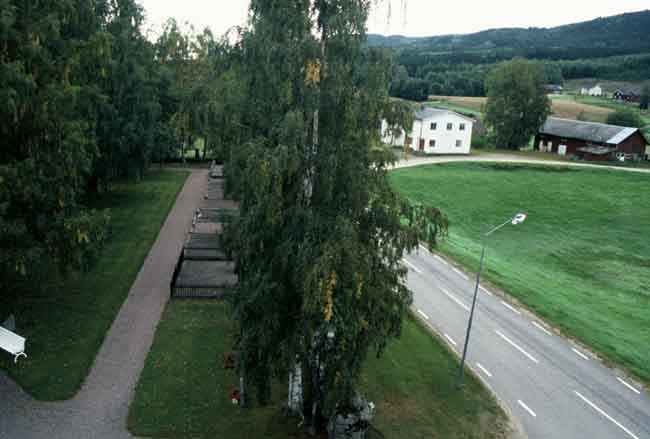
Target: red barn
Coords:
[(591, 141)]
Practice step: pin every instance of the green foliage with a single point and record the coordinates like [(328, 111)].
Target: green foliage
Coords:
[(48, 151), (80, 107), (645, 98), (625, 118), (517, 104), (321, 233)]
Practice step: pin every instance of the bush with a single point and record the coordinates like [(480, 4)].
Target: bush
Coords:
[(625, 118)]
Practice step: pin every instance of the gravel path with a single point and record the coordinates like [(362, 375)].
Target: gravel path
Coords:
[(99, 410), (507, 158)]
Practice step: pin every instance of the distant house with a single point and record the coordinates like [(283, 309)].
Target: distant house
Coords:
[(626, 96), (434, 132), (591, 141), (592, 91), (553, 89)]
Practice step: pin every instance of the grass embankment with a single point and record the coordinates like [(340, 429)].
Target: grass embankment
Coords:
[(581, 260), (183, 391), (564, 108), (65, 325)]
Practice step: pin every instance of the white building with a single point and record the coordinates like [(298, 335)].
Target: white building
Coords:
[(434, 132), (593, 91)]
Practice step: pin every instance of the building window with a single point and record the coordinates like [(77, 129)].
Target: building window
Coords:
[(432, 143), (434, 126), (450, 126), (462, 127), (459, 143)]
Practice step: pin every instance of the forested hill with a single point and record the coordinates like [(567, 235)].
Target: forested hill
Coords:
[(614, 48), (616, 35)]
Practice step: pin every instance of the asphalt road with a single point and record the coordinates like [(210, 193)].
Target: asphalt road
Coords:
[(554, 388)]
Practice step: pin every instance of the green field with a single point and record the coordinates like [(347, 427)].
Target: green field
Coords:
[(65, 325), (581, 261), (183, 391)]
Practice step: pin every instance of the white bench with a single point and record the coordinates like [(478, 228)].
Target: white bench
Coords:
[(12, 343)]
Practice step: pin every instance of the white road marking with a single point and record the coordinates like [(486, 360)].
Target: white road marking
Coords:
[(424, 248), (451, 340), (583, 356), (455, 299), (530, 412), (541, 328), (423, 314), (516, 346), (440, 259), (599, 410), (485, 371), (510, 307), (486, 292), (413, 267), (460, 273), (629, 386)]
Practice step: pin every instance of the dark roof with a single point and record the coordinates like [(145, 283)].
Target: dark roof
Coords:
[(589, 131), (553, 87), (626, 92)]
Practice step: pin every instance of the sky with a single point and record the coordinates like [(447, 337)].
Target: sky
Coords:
[(410, 17)]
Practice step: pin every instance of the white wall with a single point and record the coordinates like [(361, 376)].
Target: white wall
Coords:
[(596, 91), (445, 140), (388, 138)]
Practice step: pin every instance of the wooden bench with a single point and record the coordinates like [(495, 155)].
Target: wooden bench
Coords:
[(12, 343)]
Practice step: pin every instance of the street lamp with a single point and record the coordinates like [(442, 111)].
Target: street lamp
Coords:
[(515, 220)]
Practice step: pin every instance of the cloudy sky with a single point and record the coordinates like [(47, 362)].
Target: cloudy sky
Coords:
[(411, 17)]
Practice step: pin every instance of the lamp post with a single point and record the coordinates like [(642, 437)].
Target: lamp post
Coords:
[(517, 219)]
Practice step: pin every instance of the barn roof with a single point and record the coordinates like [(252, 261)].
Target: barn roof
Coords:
[(589, 131), (427, 113)]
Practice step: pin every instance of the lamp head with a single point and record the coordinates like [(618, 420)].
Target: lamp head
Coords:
[(519, 218)]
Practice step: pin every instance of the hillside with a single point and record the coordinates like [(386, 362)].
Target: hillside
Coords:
[(614, 48), (616, 35)]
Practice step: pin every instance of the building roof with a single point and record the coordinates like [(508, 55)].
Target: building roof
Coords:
[(429, 113), (626, 92), (589, 131)]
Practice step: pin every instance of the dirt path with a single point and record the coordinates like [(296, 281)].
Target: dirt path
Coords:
[(100, 409), (507, 158)]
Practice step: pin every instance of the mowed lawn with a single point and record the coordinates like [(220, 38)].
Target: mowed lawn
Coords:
[(65, 325), (581, 260), (183, 392)]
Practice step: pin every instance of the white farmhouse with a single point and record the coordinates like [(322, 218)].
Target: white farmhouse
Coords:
[(593, 91), (434, 132)]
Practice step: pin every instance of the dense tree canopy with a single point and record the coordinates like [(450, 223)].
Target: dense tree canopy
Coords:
[(321, 233), (85, 99), (517, 104), (625, 118)]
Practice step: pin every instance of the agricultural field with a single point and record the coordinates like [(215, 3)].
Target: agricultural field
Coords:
[(183, 391), (561, 107), (581, 261)]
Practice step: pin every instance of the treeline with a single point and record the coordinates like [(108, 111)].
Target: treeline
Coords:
[(86, 99), (419, 75), (603, 37)]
